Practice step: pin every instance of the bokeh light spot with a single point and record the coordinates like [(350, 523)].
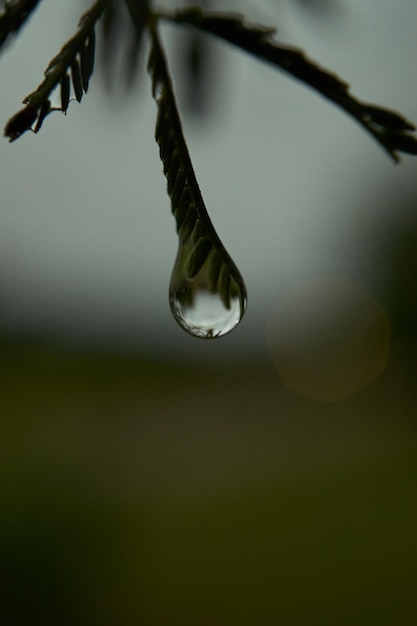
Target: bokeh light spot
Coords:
[(328, 338)]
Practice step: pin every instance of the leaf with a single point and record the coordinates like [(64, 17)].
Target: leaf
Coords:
[(76, 80), (387, 127), (87, 59), (192, 220), (387, 118), (45, 110), (198, 256), (214, 271), (65, 92), (56, 74), (223, 286), (183, 189)]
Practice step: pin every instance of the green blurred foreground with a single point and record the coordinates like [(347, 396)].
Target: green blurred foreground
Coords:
[(164, 494)]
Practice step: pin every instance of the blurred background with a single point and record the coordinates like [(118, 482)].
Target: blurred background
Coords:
[(148, 477)]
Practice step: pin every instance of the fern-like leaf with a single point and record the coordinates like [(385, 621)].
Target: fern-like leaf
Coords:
[(75, 59), (389, 129), (183, 189), (201, 246)]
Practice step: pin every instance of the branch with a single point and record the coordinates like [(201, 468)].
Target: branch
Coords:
[(14, 16), (81, 45), (204, 250), (388, 128)]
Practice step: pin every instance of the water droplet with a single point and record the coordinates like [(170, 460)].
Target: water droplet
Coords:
[(207, 293)]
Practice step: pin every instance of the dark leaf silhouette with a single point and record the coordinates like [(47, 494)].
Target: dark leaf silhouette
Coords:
[(65, 92), (77, 80), (387, 127), (194, 226), (57, 73)]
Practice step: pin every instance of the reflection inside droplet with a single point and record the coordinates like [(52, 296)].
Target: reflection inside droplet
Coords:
[(207, 293), (205, 314)]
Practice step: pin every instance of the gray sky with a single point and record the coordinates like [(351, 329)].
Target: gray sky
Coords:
[(291, 183)]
